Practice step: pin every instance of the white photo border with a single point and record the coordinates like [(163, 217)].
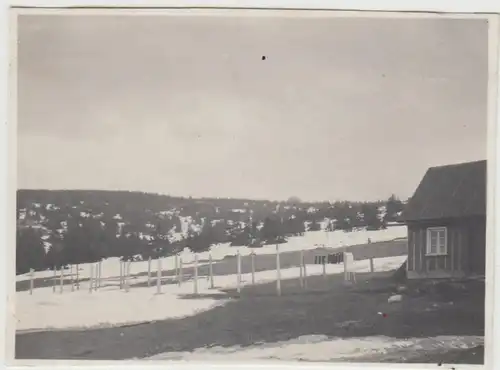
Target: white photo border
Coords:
[(303, 7)]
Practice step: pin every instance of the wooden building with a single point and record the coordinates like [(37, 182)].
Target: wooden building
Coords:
[(446, 220)]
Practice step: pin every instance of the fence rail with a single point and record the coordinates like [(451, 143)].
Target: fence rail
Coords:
[(97, 278)]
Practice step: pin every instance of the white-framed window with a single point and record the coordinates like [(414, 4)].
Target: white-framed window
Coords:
[(437, 240)]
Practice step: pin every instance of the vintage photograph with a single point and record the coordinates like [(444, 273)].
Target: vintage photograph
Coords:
[(251, 186)]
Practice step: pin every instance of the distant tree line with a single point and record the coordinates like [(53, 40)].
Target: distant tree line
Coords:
[(58, 228)]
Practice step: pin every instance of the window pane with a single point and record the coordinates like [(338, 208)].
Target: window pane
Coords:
[(442, 249), (433, 238), (436, 241)]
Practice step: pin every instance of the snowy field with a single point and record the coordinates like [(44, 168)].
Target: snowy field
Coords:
[(46, 310), (110, 306), (321, 348)]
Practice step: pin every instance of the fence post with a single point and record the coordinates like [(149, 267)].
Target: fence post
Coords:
[(176, 258), (345, 266), (305, 272), (32, 276), (71, 281), (158, 276), (121, 274), (54, 283), (149, 271), (195, 280), (372, 269), (77, 277), (238, 272), (349, 275), (100, 273), (96, 276), (125, 280), (91, 277), (253, 267), (161, 270), (180, 271), (61, 282), (124, 273), (324, 267), (124, 277), (127, 274), (301, 264), (211, 271), (278, 271)]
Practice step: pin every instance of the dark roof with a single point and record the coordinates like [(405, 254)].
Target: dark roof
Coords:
[(452, 191)]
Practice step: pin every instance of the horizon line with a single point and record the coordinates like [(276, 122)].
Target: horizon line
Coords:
[(189, 197)]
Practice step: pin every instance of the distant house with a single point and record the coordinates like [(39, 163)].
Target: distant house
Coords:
[(446, 220)]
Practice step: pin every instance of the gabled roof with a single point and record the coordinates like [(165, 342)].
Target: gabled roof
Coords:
[(451, 191)]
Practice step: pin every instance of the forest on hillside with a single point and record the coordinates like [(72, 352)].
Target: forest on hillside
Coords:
[(61, 227)]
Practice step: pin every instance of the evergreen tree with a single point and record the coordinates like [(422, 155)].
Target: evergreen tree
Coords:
[(110, 239), (393, 207), (314, 225), (243, 236), (203, 241), (162, 248), (330, 225), (73, 242), (30, 251), (254, 230), (177, 224), (294, 201), (55, 253), (268, 229), (83, 241), (371, 218), (160, 245), (288, 227), (294, 226), (219, 232), (131, 245), (272, 231), (344, 224)]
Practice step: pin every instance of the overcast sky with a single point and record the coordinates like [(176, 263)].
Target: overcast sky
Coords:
[(340, 109)]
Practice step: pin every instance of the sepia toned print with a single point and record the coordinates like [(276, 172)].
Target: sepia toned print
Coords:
[(248, 188)]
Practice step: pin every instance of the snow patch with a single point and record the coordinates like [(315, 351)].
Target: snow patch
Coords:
[(110, 306), (322, 348)]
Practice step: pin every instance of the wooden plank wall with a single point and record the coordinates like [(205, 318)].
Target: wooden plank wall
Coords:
[(477, 245), (419, 262)]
